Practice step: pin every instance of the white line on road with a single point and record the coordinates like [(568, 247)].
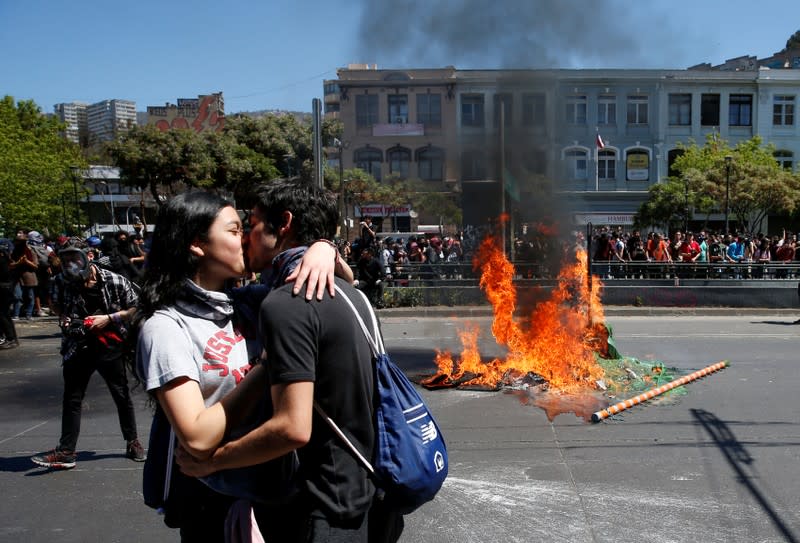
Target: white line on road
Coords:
[(34, 427)]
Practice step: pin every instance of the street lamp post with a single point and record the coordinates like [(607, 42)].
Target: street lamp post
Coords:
[(728, 160), (111, 199), (686, 210), (340, 145)]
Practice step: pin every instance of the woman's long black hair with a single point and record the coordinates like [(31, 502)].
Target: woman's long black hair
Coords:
[(180, 222)]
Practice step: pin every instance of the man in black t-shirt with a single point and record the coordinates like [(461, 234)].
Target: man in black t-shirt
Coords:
[(316, 353)]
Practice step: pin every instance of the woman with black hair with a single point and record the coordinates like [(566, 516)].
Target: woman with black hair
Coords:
[(190, 353)]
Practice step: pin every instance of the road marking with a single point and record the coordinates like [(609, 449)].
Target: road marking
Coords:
[(23, 432)]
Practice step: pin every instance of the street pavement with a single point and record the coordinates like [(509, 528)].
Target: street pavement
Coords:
[(717, 464)]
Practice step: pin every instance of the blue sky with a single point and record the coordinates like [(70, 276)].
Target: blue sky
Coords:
[(274, 54)]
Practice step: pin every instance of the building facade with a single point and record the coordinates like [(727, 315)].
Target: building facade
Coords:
[(73, 115), (204, 113), (601, 137), (107, 119)]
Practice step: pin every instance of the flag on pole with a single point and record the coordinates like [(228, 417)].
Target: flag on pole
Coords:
[(511, 185), (600, 143)]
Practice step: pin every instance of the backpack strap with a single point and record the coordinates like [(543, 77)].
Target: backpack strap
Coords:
[(376, 345), (375, 340)]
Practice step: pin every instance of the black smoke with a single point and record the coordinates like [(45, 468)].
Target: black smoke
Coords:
[(498, 34)]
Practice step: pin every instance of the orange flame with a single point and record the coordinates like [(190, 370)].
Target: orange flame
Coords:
[(558, 340)]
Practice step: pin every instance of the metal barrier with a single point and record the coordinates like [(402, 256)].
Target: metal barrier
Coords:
[(462, 273), (609, 271)]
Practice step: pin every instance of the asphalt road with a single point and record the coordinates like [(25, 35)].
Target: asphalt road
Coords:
[(718, 464)]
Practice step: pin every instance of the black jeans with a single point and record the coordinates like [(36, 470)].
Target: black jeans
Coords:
[(77, 371), (6, 324)]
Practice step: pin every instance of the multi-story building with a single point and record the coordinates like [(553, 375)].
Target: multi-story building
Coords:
[(204, 113), (109, 118), (73, 115), (601, 137)]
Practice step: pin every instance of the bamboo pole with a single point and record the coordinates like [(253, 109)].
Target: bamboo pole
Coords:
[(644, 396)]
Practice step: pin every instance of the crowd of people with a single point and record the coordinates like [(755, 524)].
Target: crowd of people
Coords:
[(736, 255), (237, 362)]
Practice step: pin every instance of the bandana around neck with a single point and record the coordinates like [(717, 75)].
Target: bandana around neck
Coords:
[(284, 264), (204, 303)]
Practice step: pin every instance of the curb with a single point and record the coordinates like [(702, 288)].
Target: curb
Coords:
[(609, 311)]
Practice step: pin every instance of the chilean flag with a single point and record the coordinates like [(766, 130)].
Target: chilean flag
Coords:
[(600, 144)]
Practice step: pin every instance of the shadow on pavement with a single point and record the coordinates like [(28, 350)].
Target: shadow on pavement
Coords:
[(779, 323), (21, 464), (742, 464)]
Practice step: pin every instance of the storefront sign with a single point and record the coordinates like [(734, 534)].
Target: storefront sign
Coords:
[(380, 210), (604, 219)]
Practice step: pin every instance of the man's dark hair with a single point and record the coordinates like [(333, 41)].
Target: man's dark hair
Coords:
[(314, 210)]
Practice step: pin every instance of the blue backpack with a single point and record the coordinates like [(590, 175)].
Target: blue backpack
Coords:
[(410, 463)]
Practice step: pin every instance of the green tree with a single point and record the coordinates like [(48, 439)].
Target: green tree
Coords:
[(36, 165), (752, 183)]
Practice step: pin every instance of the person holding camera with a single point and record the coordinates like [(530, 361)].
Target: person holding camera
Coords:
[(94, 306)]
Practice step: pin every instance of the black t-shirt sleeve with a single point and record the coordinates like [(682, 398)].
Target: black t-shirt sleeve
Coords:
[(290, 328)]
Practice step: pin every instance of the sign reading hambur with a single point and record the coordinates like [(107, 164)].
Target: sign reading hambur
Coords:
[(380, 210)]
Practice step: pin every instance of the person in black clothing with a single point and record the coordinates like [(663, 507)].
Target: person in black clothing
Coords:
[(370, 277), (367, 233), (7, 330), (117, 261), (317, 353), (94, 306)]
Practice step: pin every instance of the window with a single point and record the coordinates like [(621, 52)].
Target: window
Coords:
[(533, 109), (399, 159), (366, 109), (672, 156), (430, 162), (637, 109), (606, 164), (680, 109), (332, 108), (369, 159), (429, 109), (506, 100), (398, 108), (785, 159), (783, 110), (576, 164), (576, 110), (331, 88), (709, 110), (472, 110), (607, 109), (740, 110), (473, 165)]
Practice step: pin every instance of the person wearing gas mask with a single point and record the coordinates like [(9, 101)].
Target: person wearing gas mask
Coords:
[(94, 306)]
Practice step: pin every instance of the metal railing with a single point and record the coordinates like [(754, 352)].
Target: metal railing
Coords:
[(463, 274)]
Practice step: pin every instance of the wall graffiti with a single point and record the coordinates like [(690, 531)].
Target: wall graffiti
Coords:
[(206, 116)]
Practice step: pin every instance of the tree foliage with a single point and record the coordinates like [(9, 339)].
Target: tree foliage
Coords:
[(36, 165), (751, 182)]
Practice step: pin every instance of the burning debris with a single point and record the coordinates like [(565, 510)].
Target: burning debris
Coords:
[(562, 358), (557, 343)]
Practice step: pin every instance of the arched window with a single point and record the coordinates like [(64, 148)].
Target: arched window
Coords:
[(607, 164), (785, 159), (637, 164), (399, 159), (576, 163), (430, 162), (671, 157), (369, 159)]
